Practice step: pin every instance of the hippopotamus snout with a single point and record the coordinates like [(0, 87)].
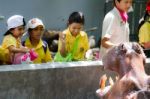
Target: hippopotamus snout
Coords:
[(134, 89)]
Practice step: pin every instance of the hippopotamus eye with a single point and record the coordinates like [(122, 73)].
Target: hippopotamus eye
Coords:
[(136, 48), (135, 88)]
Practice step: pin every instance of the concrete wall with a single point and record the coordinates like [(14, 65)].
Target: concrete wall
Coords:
[(73, 80)]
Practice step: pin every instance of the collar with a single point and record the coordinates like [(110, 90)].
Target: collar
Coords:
[(122, 15), (68, 31), (28, 43)]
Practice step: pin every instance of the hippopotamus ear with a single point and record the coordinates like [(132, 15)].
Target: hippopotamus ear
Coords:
[(122, 49), (138, 49)]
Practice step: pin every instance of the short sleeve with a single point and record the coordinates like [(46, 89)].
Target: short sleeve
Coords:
[(9, 41), (108, 25)]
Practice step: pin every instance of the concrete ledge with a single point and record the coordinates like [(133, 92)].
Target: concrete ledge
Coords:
[(51, 65), (73, 80)]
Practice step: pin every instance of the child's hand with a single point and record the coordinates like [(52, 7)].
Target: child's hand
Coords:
[(62, 37), (24, 49), (13, 49)]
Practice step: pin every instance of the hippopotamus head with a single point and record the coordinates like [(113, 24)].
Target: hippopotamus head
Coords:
[(127, 60), (121, 58)]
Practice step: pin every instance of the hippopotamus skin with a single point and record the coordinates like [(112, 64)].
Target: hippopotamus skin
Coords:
[(127, 60)]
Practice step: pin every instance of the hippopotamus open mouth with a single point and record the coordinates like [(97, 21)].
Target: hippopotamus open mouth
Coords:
[(127, 60)]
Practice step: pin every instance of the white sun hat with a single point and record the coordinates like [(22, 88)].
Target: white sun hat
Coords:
[(15, 21), (33, 23)]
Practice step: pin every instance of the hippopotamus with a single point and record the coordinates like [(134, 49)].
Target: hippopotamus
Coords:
[(127, 60)]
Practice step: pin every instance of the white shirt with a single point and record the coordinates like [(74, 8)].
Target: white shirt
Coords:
[(115, 29)]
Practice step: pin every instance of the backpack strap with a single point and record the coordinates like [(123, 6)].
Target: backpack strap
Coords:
[(45, 46), (23, 43)]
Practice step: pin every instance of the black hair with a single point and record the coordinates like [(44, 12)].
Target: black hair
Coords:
[(29, 30), (114, 2), (24, 22), (76, 17), (9, 31)]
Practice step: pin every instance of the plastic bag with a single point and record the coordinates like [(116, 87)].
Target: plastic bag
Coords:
[(59, 58)]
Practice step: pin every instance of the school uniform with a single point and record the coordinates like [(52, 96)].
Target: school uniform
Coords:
[(115, 29), (82, 45), (43, 55)]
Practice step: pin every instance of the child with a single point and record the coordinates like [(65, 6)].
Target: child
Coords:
[(12, 38), (35, 29), (115, 26), (144, 29), (73, 40)]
